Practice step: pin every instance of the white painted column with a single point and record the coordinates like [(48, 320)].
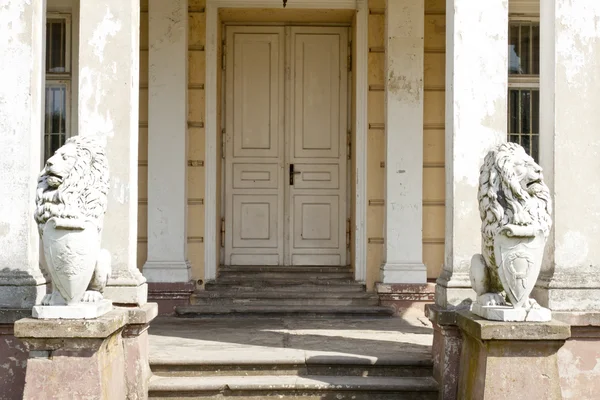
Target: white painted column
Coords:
[(404, 50), (167, 144), (22, 25), (109, 106), (476, 120), (570, 152)]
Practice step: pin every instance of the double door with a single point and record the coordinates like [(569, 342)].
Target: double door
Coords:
[(285, 145)]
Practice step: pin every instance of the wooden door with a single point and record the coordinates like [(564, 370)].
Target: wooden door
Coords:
[(286, 108)]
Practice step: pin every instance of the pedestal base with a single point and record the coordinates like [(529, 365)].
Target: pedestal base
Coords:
[(76, 311), (510, 314), (504, 360)]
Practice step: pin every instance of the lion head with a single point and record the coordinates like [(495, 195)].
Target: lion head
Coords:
[(511, 191), (74, 183)]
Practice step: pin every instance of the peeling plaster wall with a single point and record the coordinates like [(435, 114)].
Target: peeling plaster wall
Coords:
[(579, 366)]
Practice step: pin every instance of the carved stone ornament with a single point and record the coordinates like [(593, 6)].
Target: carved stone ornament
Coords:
[(515, 209), (70, 206)]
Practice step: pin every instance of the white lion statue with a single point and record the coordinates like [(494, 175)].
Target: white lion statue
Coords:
[(515, 209), (70, 205)]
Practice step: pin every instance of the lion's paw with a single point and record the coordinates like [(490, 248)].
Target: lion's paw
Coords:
[(92, 296), (47, 300), (491, 299), (532, 304)]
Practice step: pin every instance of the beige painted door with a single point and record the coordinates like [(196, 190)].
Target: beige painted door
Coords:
[(285, 110)]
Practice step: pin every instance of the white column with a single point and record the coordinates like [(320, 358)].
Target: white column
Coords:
[(476, 120), (167, 146), (21, 61), (404, 45), (570, 152), (108, 106)]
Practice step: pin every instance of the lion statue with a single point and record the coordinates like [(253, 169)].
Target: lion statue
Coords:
[(71, 201), (515, 209)]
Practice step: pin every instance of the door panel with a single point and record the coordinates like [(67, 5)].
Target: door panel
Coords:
[(254, 140), (317, 146)]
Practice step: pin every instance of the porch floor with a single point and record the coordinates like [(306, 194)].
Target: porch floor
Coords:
[(290, 339)]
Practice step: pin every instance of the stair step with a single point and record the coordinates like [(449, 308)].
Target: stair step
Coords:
[(263, 297), (323, 366), (277, 268), (302, 276), (275, 310), (303, 287), (268, 281), (308, 387)]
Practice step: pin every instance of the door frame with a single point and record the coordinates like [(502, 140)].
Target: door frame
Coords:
[(212, 195)]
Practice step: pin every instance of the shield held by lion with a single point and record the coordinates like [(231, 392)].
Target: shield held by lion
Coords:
[(70, 206)]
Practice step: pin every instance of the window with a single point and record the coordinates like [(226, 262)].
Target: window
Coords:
[(58, 82), (524, 85)]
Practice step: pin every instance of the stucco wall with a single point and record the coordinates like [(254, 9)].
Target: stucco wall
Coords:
[(142, 247)]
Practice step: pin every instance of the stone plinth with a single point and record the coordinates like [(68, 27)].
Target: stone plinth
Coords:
[(13, 355), (446, 348), (504, 360), (509, 313), (105, 357), (75, 311)]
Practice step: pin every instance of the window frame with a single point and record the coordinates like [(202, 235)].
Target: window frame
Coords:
[(54, 79), (522, 81)]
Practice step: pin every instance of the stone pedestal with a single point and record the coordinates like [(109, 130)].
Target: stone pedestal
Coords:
[(13, 355), (578, 358), (504, 360), (102, 358), (446, 348)]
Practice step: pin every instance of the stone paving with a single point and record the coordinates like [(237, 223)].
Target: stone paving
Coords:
[(290, 339)]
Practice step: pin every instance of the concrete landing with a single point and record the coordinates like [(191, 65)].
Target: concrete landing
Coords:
[(239, 340)]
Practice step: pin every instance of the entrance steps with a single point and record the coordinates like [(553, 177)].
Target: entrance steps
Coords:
[(316, 291), (269, 375)]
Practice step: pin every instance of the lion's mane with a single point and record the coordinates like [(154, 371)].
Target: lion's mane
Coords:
[(83, 192), (503, 200)]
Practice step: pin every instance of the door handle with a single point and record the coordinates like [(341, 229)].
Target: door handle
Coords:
[(292, 173)]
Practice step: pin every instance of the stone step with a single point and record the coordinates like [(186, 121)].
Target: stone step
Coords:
[(294, 387), (294, 286), (329, 365), (280, 282), (280, 311), (300, 276), (277, 268), (282, 298)]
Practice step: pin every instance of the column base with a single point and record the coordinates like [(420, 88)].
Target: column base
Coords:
[(403, 273), (453, 291), (22, 296), (568, 299), (406, 298), (503, 360), (127, 295), (167, 271)]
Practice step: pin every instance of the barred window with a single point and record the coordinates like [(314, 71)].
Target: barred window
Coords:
[(58, 82), (524, 85)]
